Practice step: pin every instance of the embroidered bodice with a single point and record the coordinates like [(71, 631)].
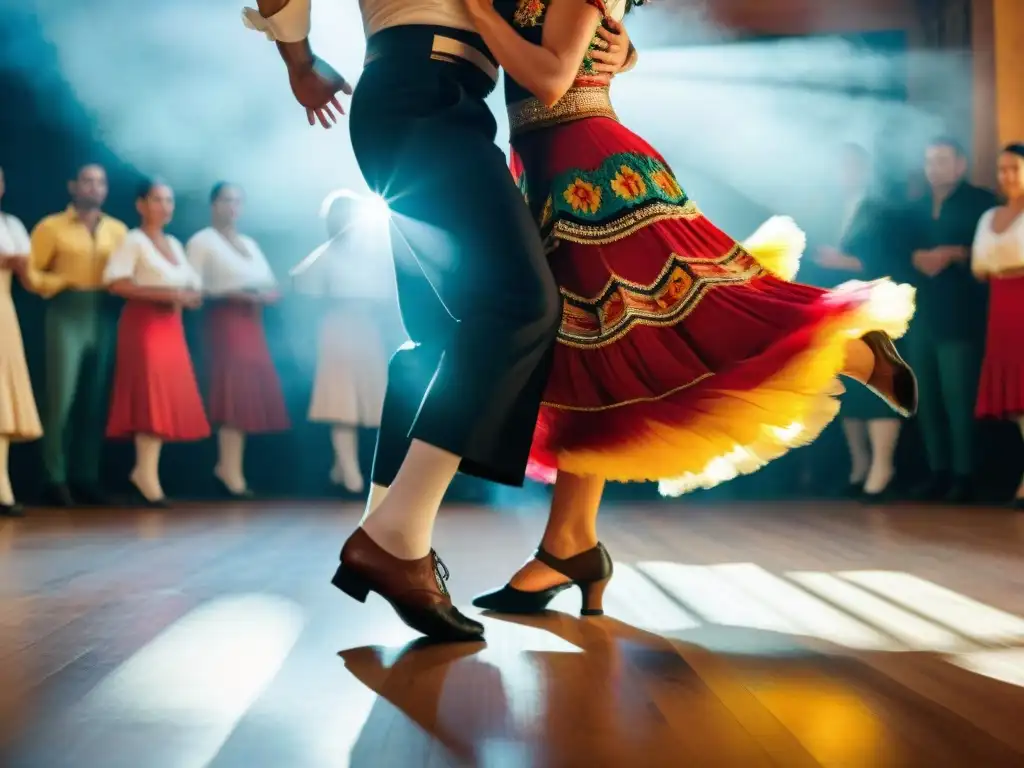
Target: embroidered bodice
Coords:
[(589, 94)]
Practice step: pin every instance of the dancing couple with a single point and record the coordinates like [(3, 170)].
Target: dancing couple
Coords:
[(601, 329)]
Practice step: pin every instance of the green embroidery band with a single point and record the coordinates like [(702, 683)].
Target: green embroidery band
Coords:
[(614, 188)]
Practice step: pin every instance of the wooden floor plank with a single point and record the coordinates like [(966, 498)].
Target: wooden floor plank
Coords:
[(754, 635)]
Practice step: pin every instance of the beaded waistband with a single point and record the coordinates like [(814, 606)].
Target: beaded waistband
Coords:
[(577, 103)]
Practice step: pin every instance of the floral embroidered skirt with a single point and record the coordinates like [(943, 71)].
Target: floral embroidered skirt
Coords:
[(683, 356)]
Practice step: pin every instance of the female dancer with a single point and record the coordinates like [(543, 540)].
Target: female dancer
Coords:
[(155, 398), (19, 419), (998, 256), (683, 356), (354, 270), (245, 391)]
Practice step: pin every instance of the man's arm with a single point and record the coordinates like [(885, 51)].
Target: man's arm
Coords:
[(40, 280), (287, 23), (314, 83)]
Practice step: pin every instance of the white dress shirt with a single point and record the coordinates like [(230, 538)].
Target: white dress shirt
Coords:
[(14, 239), (292, 23), (993, 253), (224, 269), (139, 260), (356, 264)]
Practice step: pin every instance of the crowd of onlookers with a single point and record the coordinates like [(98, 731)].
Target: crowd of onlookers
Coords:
[(962, 247), (118, 364)]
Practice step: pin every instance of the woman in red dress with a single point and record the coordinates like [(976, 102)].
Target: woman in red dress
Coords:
[(155, 399), (245, 395), (683, 356), (998, 257)]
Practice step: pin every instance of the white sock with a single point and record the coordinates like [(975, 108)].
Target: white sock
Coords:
[(346, 470), (377, 494), (1020, 488), (883, 434), (860, 454), (403, 523), (146, 475), (6, 491), (230, 455)]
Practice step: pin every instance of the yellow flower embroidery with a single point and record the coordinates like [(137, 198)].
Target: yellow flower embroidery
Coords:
[(666, 183), (528, 13), (583, 196), (628, 184)]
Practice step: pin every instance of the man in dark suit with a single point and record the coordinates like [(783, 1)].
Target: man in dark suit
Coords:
[(947, 340)]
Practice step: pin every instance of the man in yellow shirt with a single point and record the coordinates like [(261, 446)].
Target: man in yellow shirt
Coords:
[(69, 253)]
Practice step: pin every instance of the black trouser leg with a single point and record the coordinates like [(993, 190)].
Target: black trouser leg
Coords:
[(411, 367), (426, 144)]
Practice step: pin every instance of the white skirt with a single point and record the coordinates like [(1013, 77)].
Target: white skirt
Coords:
[(352, 368)]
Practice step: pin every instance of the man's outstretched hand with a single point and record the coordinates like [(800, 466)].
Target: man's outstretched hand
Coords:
[(316, 86)]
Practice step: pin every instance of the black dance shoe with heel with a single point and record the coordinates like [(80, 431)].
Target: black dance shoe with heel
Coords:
[(903, 396), (590, 571)]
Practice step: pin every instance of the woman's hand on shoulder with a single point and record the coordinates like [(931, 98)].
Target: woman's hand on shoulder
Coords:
[(614, 54)]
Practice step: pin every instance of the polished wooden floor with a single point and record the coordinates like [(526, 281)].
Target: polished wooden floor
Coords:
[(737, 636)]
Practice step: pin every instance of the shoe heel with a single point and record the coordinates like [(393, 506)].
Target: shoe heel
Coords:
[(351, 584), (593, 597)]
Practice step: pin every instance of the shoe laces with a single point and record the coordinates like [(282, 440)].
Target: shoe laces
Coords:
[(441, 573)]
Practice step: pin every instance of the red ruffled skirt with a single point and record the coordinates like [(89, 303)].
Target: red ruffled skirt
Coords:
[(683, 356), (245, 390), (1001, 390), (155, 391)]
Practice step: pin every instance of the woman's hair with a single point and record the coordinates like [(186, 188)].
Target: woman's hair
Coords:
[(219, 188), (146, 186), (1015, 148)]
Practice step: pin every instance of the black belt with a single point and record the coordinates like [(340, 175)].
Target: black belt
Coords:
[(437, 43)]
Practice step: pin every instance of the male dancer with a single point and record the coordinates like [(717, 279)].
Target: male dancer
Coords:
[(947, 341), (477, 297), (69, 253)]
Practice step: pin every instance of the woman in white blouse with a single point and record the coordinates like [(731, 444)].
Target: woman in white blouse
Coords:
[(354, 271), (245, 391), (155, 398), (998, 256), (19, 419)]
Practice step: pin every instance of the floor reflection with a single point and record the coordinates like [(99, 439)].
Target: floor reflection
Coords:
[(205, 640)]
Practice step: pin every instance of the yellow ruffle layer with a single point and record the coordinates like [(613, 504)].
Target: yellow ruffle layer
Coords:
[(733, 433)]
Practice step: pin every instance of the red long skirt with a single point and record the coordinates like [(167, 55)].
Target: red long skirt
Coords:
[(1001, 390), (155, 391), (245, 390), (683, 356)]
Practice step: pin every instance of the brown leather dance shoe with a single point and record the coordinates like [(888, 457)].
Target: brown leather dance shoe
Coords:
[(415, 588), (898, 386)]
